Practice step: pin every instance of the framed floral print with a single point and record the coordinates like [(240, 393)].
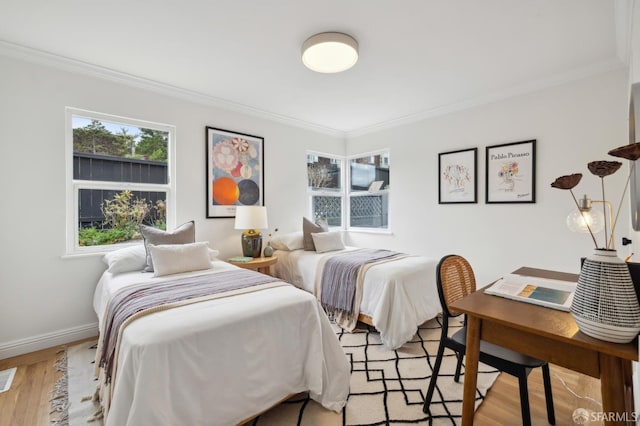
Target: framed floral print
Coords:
[(235, 172), (458, 176), (511, 173)]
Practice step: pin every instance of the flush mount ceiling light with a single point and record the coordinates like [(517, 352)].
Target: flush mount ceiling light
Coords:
[(330, 52)]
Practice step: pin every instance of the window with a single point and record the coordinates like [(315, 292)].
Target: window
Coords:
[(325, 189), (367, 195), (369, 191), (119, 175)]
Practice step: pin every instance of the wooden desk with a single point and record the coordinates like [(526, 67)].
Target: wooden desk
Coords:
[(550, 335)]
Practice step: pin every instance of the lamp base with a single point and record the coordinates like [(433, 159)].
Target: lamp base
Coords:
[(251, 243)]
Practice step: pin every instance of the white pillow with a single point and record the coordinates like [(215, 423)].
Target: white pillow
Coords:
[(127, 259), (288, 242), (175, 258), (327, 241)]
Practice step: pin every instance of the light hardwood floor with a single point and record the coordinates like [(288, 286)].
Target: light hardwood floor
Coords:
[(27, 402)]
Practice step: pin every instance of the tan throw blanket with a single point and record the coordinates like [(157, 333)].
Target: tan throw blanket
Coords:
[(135, 302), (340, 280)]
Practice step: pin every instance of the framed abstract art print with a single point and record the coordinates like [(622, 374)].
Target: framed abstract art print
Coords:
[(235, 171), (458, 177)]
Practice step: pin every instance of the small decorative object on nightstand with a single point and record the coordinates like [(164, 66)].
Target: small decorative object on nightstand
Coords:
[(260, 264), (268, 250)]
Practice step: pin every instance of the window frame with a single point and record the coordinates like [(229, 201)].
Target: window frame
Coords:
[(74, 186), (345, 192), (350, 193), (327, 193)]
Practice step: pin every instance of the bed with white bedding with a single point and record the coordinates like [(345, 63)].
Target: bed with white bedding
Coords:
[(223, 360), (397, 295)]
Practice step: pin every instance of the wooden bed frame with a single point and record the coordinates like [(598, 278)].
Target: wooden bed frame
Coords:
[(365, 319)]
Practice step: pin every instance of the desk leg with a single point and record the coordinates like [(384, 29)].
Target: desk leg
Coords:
[(474, 325), (617, 390)]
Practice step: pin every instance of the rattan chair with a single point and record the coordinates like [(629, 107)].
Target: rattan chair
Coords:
[(455, 279)]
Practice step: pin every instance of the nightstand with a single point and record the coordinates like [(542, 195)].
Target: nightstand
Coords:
[(260, 264)]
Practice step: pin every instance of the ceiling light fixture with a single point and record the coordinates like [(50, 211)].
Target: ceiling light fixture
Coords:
[(330, 52)]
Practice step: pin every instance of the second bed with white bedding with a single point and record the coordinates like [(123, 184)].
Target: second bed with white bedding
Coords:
[(398, 295)]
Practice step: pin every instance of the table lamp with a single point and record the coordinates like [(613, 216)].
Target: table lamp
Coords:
[(251, 218)]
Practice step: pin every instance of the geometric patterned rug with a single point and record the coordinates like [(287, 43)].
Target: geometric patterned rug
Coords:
[(387, 387)]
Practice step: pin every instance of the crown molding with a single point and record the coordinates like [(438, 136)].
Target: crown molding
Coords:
[(534, 86), (56, 61), (73, 65)]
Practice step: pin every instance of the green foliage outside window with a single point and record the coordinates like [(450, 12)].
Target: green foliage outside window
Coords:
[(95, 138), (122, 218)]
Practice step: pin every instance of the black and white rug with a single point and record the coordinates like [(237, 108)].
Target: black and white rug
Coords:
[(387, 387)]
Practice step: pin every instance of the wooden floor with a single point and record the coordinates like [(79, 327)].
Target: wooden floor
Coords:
[(27, 402), (502, 404)]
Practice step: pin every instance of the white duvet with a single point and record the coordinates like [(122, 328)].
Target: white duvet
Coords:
[(224, 360), (398, 295)]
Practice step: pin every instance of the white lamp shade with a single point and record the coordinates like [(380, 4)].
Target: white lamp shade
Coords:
[(330, 52), (251, 217)]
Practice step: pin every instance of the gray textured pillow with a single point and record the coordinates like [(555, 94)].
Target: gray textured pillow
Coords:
[(309, 228), (183, 234)]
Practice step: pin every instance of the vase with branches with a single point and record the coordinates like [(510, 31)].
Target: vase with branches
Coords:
[(605, 305), (268, 250)]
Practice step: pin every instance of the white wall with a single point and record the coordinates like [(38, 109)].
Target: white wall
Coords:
[(573, 124), (47, 300)]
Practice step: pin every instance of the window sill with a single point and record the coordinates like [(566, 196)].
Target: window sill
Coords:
[(81, 255), (95, 251), (370, 231)]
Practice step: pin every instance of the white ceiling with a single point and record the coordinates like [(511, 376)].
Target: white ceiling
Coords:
[(417, 57)]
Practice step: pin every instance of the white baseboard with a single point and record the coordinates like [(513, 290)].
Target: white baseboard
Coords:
[(48, 340)]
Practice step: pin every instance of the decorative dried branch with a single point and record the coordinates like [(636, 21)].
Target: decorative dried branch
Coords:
[(601, 169), (629, 152), (604, 168), (567, 182)]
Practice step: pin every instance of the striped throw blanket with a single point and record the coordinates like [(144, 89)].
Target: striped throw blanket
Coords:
[(133, 300), (340, 276)]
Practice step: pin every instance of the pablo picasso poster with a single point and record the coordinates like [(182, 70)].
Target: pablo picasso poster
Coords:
[(457, 176), (511, 172)]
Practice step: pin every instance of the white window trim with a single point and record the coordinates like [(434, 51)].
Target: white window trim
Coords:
[(73, 186), (326, 193), (348, 194), (345, 193)]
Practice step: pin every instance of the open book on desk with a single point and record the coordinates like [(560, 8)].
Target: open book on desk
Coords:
[(538, 291)]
